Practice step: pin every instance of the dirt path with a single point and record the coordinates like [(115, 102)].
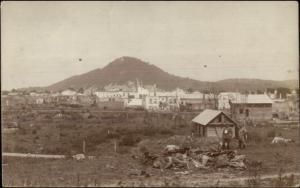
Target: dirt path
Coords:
[(263, 176), (240, 180), (198, 180)]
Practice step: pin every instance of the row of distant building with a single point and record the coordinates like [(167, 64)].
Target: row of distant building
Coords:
[(262, 106), (152, 100)]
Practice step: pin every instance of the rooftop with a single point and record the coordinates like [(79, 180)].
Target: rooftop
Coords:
[(206, 116), (254, 99)]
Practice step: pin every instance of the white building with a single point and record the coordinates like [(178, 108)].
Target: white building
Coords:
[(151, 102), (168, 100), (39, 101), (111, 94), (134, 102), (225, 97), (68, 92), (137, 99)]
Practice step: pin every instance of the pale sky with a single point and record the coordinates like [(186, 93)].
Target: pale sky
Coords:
[(42, 41)]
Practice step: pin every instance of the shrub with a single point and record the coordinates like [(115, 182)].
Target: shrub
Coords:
[(255, 136), (143, 149), (69, 155), (62, 134), (271, 133), (123, 131), (122, 150), (166, 131), (129, 140), (279, 134), (21, 149), (112, 135), (96, 137), (54, 150), (254, 179), (149, 131), (22, 130)]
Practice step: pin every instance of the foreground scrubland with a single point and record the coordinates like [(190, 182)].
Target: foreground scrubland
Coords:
[(116, 139)]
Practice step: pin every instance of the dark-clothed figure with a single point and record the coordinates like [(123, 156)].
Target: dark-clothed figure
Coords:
[(227, 136), (242, 137)]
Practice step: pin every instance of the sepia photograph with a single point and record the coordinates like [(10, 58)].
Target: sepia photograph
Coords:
[(150, 94)]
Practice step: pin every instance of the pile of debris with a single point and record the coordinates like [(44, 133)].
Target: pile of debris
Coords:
[(281, 140), (175, 157)]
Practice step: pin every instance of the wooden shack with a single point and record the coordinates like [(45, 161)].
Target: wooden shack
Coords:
[(210, 123)]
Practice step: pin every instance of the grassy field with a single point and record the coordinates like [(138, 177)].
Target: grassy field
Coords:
[(41, 133)]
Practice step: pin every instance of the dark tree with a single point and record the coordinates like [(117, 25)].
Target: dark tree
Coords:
[(190, 90), (80, 90), (283, 91)]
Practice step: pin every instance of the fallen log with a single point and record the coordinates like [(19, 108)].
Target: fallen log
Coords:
[(28, 155)]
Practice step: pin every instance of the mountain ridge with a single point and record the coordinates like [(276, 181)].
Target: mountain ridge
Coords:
[(126, 68)]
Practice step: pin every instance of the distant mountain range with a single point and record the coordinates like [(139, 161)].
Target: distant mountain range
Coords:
[(125, 69)]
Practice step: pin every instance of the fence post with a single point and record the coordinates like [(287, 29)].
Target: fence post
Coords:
[(83, 146), (115, 146)]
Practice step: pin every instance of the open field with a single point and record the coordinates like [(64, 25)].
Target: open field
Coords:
[(114, 140)]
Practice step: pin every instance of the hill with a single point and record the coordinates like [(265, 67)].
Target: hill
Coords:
[(125, 69), (254, 84)]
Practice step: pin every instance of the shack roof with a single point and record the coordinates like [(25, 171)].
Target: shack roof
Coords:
[(259, 99), (254, 99), (206, 116)]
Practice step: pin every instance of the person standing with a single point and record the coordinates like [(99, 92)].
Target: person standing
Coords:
[(227, 136), (242, 137)]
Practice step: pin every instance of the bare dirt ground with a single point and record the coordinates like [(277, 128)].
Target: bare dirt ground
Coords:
[(108, 172)]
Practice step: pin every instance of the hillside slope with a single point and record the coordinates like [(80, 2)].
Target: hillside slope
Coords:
[(126, 69)]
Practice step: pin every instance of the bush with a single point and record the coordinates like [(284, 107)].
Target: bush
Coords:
[(112, 135), (122, 150), (166, 131), (271, 133), (96, 138), (129, 140), (22, 130), (123, 131), (56, 150), (255, 136), (153, 130), (21, 149), (143, 149), (149, 131), (62, 134)]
